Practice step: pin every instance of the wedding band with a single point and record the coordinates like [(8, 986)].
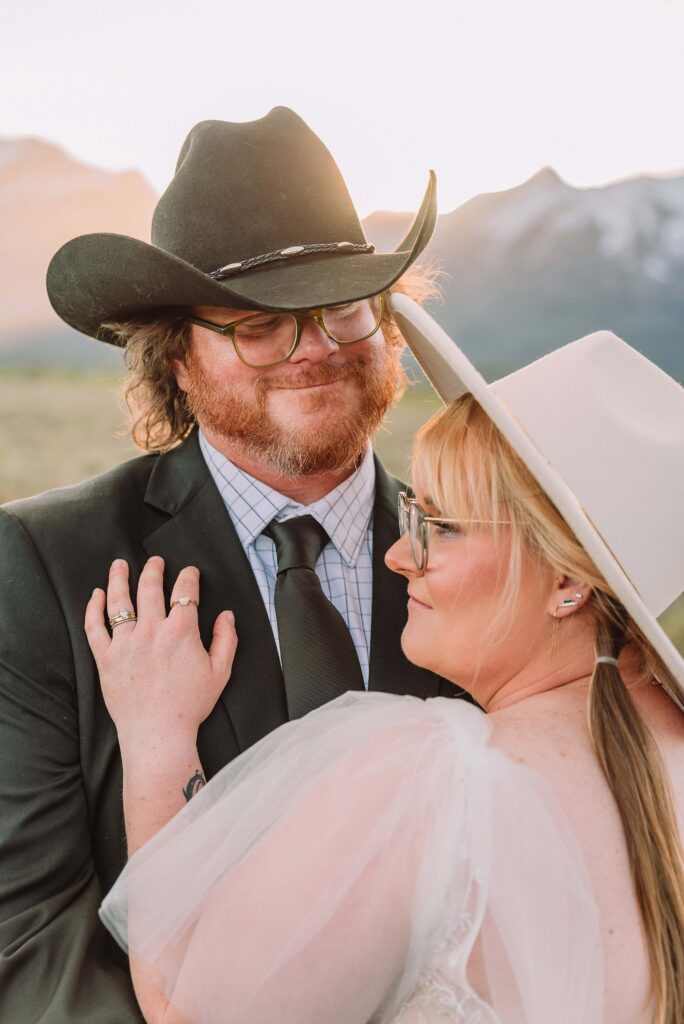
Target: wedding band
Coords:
[(184, 602), (123, 615)]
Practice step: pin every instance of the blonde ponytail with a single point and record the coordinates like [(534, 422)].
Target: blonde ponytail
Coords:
[(635, 773)]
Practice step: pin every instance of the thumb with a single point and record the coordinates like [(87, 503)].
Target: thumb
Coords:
[(223, 645)]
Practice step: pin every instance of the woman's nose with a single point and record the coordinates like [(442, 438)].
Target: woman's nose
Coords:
[(399, 559)]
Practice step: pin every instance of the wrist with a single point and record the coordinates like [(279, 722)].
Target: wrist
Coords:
[(161, 748), (160, 775)]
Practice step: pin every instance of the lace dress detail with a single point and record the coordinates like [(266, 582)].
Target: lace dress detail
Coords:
[(440, 994), (369, 862)]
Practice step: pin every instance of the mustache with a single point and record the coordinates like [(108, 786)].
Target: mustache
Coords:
[(310, 378)]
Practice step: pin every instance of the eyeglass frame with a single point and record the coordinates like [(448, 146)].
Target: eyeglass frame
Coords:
[(404, 503), (299, 316)]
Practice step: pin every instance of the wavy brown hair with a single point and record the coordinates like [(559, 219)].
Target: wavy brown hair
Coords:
[(472, 472), (158, 413)]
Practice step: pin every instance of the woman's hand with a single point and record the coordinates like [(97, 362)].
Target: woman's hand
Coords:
[(158, 681)]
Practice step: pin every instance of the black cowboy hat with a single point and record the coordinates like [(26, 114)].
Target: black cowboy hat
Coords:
[(257, 216)]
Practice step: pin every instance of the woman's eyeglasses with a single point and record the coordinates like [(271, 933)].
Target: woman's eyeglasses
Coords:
[(414, 523)]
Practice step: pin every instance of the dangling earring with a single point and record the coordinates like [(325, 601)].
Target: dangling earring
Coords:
[(554, 637), (568, 602)]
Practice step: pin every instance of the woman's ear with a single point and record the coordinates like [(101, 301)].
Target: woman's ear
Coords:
[(567, 596)]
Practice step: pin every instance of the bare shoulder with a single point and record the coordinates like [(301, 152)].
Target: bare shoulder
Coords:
[(548, 724), (544, 729), (550, 734)]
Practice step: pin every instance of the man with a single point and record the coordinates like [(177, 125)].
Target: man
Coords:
[(258, 313)]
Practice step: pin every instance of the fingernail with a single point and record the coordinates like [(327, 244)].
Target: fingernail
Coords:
[(231, 617), (118, 563)]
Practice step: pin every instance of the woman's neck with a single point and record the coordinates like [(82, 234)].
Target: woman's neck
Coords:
[(575, 670), (514, 696)]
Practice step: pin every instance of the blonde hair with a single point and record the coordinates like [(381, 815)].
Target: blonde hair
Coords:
[(158, 412), (470, 471)]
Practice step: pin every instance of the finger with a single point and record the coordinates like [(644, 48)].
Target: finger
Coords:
[(119, 595), (96, 631), (223, 645), (185, 596), (151, 604)]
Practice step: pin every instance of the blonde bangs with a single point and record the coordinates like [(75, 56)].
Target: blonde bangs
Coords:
[(471, 472), (455, 461)]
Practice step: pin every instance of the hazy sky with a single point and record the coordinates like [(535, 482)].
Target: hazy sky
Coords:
[(485, 91)]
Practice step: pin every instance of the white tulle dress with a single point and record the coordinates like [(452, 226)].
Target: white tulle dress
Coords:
[(376, 861)]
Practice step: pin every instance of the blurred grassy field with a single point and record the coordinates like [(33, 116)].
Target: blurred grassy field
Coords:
[(58, 427)]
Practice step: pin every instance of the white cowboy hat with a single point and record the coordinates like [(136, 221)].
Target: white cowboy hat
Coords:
[(602, 430)]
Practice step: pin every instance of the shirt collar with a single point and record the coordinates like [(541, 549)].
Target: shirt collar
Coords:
[(344, 513)]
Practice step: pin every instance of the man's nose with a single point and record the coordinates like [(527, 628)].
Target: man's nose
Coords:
[(399, 559), (314, 344)]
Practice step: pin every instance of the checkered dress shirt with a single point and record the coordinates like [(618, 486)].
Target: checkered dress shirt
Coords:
[(345, 566)]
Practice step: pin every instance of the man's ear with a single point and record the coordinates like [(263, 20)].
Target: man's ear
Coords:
[(180, 372), (567, 596)]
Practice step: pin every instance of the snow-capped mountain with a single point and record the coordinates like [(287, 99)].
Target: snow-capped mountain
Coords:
[(541, 264), (637, 223)]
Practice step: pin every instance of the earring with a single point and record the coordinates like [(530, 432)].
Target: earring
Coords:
[(567, 603), (554, 637)]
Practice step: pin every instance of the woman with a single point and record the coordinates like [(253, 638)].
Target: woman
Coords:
[(389, 859)]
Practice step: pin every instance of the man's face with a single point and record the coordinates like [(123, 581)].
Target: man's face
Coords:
[(313, 413)]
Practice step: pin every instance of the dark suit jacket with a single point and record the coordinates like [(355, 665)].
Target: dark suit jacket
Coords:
[(62, 839)]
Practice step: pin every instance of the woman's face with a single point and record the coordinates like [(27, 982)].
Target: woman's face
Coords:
[(453, 604)]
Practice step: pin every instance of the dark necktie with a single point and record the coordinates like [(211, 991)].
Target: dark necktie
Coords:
[(316, 649)]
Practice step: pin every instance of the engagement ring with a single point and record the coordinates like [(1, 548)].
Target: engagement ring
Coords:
[(123, 615)]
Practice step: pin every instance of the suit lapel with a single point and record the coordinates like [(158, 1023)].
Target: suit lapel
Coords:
[(200, 532), (389, 669)]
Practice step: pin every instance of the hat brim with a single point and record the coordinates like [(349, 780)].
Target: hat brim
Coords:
[(104, 277), (452, 374)]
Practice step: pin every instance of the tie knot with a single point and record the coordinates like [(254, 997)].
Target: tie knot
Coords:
[(298, 542)]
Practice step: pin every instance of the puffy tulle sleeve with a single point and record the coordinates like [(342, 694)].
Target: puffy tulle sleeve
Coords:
[(348, 869)]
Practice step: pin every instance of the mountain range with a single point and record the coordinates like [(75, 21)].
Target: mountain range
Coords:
[(521, 271)]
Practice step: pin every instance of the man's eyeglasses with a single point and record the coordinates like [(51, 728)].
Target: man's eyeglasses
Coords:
[(266, 339), (416, 524)]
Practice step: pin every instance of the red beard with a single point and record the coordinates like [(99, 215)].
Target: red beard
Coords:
[(218, 405)]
